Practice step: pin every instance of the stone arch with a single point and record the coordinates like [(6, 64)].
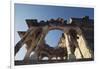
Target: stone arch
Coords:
[(39, 33)]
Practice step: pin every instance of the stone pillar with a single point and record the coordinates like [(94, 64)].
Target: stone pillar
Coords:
[(71, 56), (78, 52), (40, 41), (84, 47), (26, 58)]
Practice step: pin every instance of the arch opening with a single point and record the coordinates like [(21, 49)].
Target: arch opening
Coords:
[(53, 36)]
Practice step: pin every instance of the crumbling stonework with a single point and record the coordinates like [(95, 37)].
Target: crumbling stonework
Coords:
[(77, 48)]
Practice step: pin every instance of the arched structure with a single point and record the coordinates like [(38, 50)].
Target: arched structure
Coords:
[(35, 35)]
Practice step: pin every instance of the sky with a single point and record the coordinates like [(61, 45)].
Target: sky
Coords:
[(41, 12)]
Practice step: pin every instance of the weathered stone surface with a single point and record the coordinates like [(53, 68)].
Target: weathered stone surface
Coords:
[(37, 31)]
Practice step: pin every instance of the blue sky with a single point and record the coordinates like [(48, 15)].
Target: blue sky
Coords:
[(40, 12)]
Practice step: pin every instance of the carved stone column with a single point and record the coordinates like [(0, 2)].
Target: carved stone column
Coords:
[(40, 41), (70, 55), (86, 51)]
